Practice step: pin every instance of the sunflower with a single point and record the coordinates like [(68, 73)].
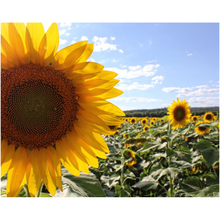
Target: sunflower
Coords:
[(201, 129), (152, 122), (144, 121), (133, 120), (53, 107), (179, 113), (209, 116), (194, 118), (129, 154), (146, 128)]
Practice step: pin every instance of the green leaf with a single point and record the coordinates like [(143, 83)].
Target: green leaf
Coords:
[(210, 154), (210, 191), (147, 183), (45, 195), (85, 185)]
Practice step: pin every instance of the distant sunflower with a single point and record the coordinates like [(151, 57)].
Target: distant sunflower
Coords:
[(194, 118), (146, 128), (129, 154), (144, 121), (201, 129), (133, 120), (209, 116), (179, 113), (152, 122), (53, 107)]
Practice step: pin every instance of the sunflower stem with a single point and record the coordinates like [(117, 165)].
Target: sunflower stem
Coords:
[(27, 191), (122, 173), (40, 188)]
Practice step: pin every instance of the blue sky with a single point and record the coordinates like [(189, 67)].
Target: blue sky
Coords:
[(155, 62)]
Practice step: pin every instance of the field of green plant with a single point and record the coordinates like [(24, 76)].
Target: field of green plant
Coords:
[(161, 162)]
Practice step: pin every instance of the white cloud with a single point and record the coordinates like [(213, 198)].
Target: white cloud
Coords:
[(83, 38), (101, 44), (151, 61), (91, 60), (112, 38), (176, 89), (123, 66), (141, 45), (114, 60), (202, 86), (65, 24), (199, 92), (135, 71), (62, 41), (73, 42), (157, 80), (135, 85), (135, 99), (204, 101), (189, 54)]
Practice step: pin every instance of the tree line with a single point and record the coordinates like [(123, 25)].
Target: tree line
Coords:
[(160, 112)]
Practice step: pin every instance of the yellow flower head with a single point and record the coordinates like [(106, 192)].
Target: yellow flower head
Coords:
[(144, 121), (129, 154), (194, 118), (179, 113), (53, 107), (133, 120), (209, 116), (146, 128), (200, 129), (152, 122)]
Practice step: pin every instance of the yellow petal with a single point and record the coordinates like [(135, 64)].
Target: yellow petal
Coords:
[(91, 138), (67, 159), (34, 35), (108, 75), (82, 69), (46, 170), (111, 120), (109, 85), (101, 107), (87, 53), (33, 173), (17, 172), (84, 149), (57, 167), (112, 93), (49, 44), (4, 31), (60, 58), (17, 44), (94, 122), (6, 158), (36, 31), (8, 52)]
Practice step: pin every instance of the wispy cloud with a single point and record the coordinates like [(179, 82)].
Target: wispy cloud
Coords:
[(151, 61), (189, 54), (135, 99), (176, 89), (101, 44), (64, 32), (204, 101), (83, 38), (135, 71), (199, 92), (135, 85), (62, 41), (187, 91), (157, 80), (112, 38), (65, 24)]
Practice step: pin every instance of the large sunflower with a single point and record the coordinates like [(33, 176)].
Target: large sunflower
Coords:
[(179, 113), (53, 107)]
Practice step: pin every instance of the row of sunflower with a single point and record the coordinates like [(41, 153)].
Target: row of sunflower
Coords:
[(177, 155)]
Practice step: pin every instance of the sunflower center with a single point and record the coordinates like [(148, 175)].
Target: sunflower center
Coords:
[(202, 128), (39, 105), (208, 117), (179, 113)]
